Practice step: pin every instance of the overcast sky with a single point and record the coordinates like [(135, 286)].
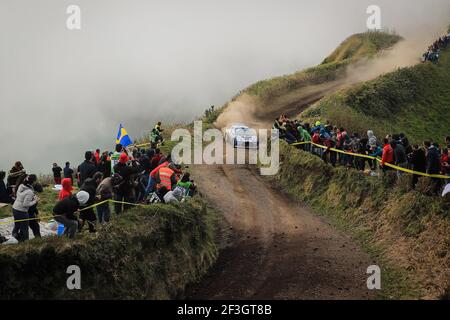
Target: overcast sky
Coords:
[(138, 61)]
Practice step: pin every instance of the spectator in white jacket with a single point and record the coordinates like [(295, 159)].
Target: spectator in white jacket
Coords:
[(25, 198)]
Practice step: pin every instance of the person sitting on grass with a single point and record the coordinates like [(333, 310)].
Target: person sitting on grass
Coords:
[(188, 184)]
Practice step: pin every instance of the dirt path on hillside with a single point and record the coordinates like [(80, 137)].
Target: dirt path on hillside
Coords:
[(277, 249)]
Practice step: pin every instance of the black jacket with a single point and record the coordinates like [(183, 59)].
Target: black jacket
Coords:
[(68, 172), (90, 186), (419, 160), (67, 208), (86, 170), (57, 172), (399, 154), (105, 167), (126, 173), (4, 196), (433, 161)]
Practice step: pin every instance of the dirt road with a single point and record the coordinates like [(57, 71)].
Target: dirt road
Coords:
[(277, 249)]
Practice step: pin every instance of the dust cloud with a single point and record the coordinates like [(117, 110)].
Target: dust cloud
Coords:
[(253, 112)]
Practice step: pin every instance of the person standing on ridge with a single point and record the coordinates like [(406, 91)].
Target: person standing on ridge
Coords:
[(57, 173), (68, 172), (90, 185), (13, 176), (116, 156), (433, 163), (156, 134), (104, 165), (388, 155), (87, 169), (4, 196), (97, 156), (124, 190), (418, 162), (25, 199)]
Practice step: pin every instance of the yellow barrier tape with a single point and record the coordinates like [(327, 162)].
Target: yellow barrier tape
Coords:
[(83, 209), (436, 176), (23, 220)]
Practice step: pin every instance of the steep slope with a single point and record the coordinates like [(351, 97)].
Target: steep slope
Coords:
[(362, 45), (291, 94), (357, 47), (405, 231), (414, 100)]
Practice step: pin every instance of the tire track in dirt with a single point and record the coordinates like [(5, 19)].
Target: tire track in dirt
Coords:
[(277, 249)]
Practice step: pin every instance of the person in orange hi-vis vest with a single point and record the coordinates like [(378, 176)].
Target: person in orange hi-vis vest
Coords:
[(166, 177)]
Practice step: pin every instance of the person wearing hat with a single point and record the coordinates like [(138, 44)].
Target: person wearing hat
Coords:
[(125, 189), (64, 212)]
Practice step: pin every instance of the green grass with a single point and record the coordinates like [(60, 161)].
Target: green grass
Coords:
[(363, 45), (145, 253), (47, 200), (382, 214), (356, 47), (414, 100)]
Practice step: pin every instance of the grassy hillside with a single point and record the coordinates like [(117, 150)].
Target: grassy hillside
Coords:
[(363, 45), (406, 231), (146, 253), (413, 100)]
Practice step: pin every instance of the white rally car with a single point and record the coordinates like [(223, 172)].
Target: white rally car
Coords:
[(241, 136)]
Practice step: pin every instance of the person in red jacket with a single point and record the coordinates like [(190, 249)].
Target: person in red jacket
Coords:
[(66, 190), (388, 155), (316, 139), (97, 157)]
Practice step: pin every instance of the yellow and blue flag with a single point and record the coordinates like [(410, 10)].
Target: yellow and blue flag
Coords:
[(122, 137)]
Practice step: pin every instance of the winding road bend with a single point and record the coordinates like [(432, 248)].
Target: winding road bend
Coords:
[(277, 249)]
